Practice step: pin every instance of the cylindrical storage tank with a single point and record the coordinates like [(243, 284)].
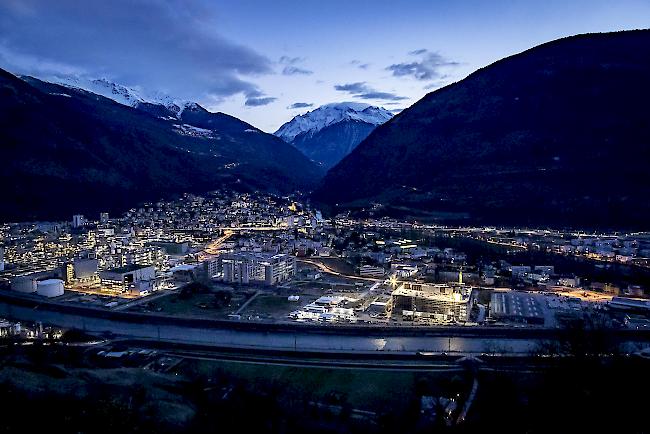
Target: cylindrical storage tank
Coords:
[(23, 284), (50, 287)]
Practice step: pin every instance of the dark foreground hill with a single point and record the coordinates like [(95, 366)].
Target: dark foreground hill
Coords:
[(557, 135), (67, 150)]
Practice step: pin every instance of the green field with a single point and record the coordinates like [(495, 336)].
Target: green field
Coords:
[(273, 305), (199, 305), (364, 389)]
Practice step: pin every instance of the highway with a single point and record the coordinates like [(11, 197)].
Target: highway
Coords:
[(297, 339), (450, 365)]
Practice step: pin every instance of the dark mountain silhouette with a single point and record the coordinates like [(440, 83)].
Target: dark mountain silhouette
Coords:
[(67, 150), (556, 135)]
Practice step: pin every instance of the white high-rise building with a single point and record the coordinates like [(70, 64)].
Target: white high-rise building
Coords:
[(78, 221), (245, 268)]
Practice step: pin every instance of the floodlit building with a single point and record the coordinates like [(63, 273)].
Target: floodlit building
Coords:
[(326, 309), (370, 271), (84, 269), (442, 302), (630, 304), (132, 278), (513, 306), (245, 268)]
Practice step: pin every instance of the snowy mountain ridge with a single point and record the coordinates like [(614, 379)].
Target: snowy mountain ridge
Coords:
[(128, 96), (329, 114)]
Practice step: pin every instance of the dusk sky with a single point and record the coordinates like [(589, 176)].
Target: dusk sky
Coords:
[(256, 60)]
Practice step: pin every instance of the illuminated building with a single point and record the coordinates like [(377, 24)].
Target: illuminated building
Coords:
[(441, 302), (132, 278), (370, 271), (78, 221), (245, 268)]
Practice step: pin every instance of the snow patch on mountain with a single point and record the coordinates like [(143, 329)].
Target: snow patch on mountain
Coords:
[(128, 96), (326, 115)]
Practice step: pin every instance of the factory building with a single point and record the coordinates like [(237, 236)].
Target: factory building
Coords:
[(84, 269), (26, 284), (370, 271), (135, 279), (513, 306), (50, 287), (245, 268), (442, 302), (45, 283)]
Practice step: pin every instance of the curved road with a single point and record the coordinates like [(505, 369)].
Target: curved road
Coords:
[(325, 269)]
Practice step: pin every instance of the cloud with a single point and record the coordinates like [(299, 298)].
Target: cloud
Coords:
[(286, 60), (256, 98), (297, 105), (363, 91), (290, 68), (294, 70), (436, 84), (381, 95), (352, 88), (169, 47), (427, 68), (359, 64), (256, 102)]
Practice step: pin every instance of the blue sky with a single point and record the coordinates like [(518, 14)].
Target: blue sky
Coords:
[(255, 59)]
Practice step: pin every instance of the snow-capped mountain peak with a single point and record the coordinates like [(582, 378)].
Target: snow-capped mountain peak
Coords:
[(329, 114), (128, 96)]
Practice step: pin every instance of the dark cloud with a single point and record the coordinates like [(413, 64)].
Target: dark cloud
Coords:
[(171, 47), (297, 105), (256, 102), (363, 91), (294, 70), (428, 68), (352, 88), (256, 98), (381, 95)]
